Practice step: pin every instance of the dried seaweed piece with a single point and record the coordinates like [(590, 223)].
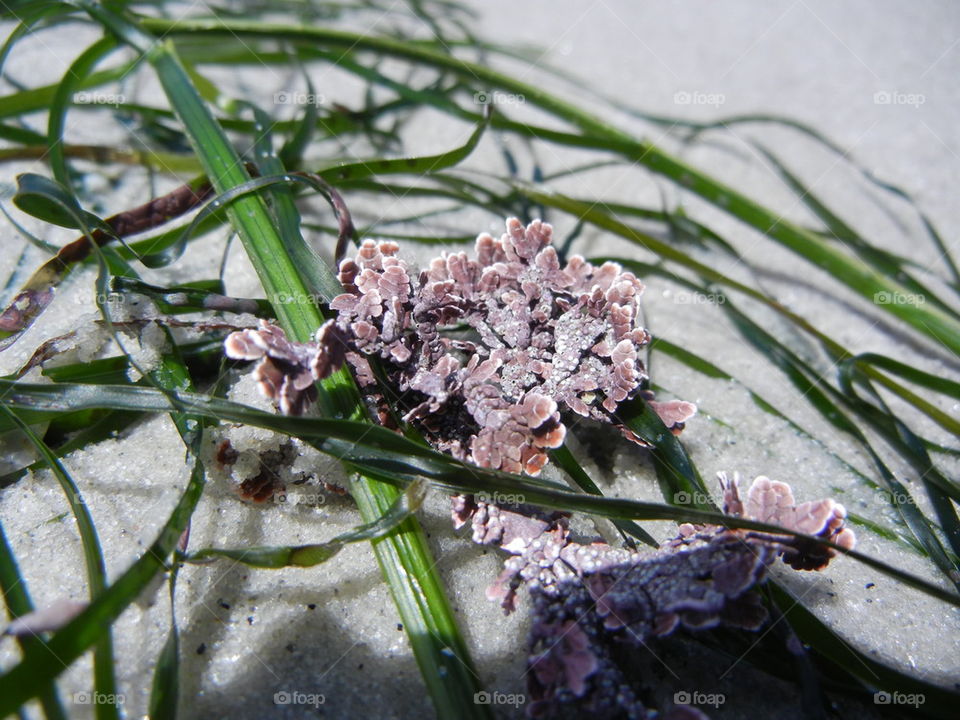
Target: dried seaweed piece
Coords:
[(288, 370), (772, 502), (39, 290), (673, 413)]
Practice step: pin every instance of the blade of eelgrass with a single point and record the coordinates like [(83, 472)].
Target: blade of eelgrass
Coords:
[(709, 369), (17, 599), (929, 475), (28, 678), (104, 681), (404, 557), (825, 398), (566, 460), (94, 623), (56, 116), (316, 553), (392, 458), (692, 129), (26, 101), (678, 476), (881, 260), (938, 701)]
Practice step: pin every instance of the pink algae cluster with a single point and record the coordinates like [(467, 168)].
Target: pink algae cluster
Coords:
[(485, 353)]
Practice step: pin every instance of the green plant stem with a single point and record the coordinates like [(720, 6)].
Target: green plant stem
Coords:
[(404, 555)]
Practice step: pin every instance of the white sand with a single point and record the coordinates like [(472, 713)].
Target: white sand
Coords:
[(818, 62)]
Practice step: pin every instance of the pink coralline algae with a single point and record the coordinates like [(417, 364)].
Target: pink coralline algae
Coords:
[(590, 599), (485, 353)]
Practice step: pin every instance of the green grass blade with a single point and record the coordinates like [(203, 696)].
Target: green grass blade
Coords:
[(17, 599), (28, 678), (385, 455), (56, 117), (566, 460), (103, 664)]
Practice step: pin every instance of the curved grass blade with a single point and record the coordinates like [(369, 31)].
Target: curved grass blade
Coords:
[(310, 555), (931, 478), (824, 399), (696, 128), (589, 213), (707, 368), (385, 455), (193, 297), (810, 383), (57, 114), (565, 459), (28, 678), (103, 663), (418, 165), (932, 322), (36, 99), (18, 603), (881, 260)]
